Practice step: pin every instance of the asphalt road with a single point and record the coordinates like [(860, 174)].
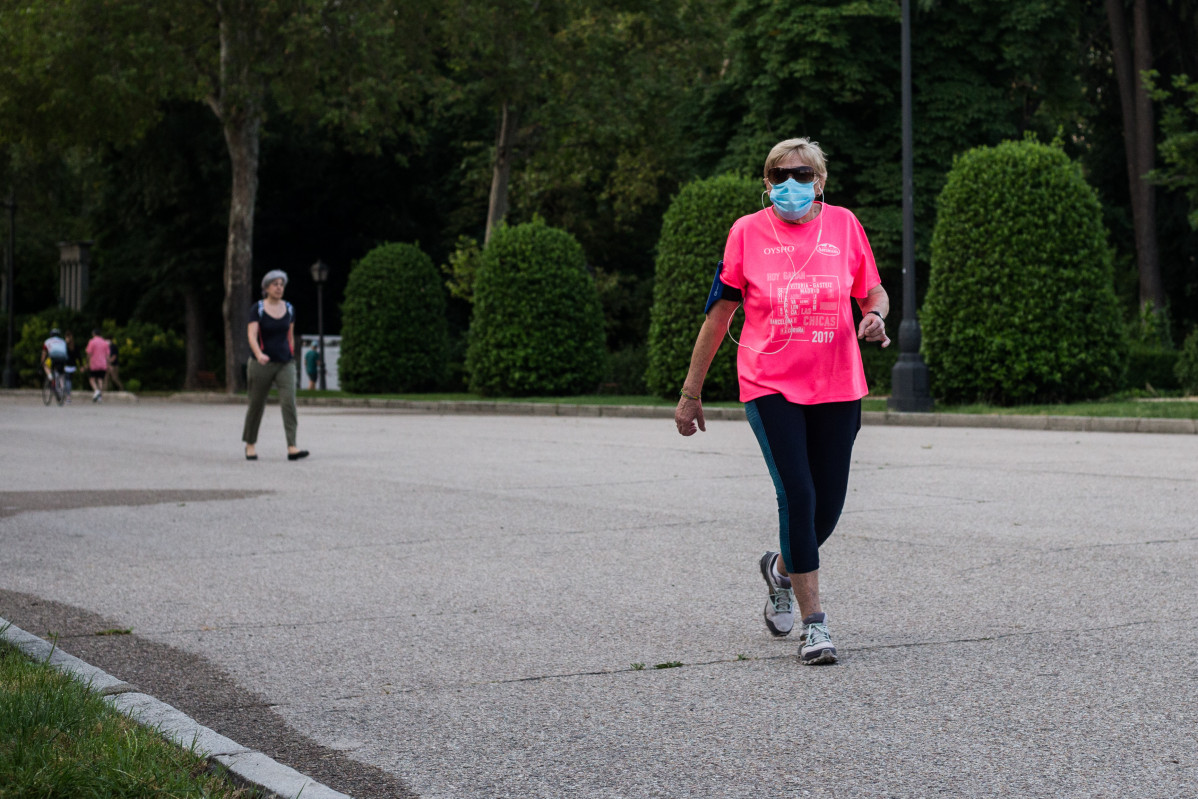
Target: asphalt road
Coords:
[(459, 605)]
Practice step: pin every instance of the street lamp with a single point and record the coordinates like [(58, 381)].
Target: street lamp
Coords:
[(10, 373), (320, 274), (909, 378)]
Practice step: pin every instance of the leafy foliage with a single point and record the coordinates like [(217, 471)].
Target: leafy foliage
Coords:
[(394, 334), (1150, 368), (1020, 307), (462, 267), (693, 234), (149, 355), (981, 71), (538, 326), (34, 330), (603, 92), (1179, 148), (1187, 364)]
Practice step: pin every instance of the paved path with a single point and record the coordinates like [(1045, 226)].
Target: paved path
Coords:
[(455, 606)]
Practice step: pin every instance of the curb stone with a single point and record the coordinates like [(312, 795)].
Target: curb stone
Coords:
[(245, 765)]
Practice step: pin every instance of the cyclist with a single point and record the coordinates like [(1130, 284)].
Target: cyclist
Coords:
[(54, 356)]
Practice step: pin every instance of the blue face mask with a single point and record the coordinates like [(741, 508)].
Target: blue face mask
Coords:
[(792, 200)]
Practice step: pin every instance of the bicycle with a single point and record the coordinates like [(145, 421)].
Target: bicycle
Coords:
[(54, 387)]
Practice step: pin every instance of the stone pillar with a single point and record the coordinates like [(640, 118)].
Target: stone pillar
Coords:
[(74, 259)]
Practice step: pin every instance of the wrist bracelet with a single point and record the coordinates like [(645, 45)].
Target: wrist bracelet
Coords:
[(682, 393), (875, 313)]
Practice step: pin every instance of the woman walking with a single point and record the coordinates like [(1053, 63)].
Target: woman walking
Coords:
[(97, 364), (272, 363), (793, 267)]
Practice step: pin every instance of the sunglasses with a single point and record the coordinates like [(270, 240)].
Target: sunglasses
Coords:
[(802, 174)]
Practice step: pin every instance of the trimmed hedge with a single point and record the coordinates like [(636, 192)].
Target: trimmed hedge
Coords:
[(394, 331), (537, 325), (694, 231), (1021, 305), (1187, 364)]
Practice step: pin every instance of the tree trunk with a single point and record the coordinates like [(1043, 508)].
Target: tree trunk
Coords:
[(1133, 55), (193, 321), (505, 142), (242, 138), (239, 108)]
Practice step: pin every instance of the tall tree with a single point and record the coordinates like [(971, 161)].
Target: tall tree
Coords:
[(501, 53), (1131, 49), (982, 71), (344, 63), (584, 95), (350, 64)]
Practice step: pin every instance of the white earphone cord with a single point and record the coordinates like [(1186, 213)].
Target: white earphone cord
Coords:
[(786, 292)]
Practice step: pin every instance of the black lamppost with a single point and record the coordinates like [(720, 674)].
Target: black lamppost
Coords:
[(320, 274), (10, 373), (909, 378)]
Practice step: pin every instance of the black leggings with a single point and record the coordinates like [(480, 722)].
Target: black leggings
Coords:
[(808, 449)]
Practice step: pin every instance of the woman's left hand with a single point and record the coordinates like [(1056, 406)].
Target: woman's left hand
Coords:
[(872, 328)]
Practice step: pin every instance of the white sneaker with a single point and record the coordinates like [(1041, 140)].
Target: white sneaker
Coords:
[(780, 607), (817, 645)]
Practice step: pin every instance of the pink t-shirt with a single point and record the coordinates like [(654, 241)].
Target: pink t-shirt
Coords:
[(799, 339), (97, 353)]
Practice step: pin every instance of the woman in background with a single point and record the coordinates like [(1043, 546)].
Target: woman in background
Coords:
[(272, 363)]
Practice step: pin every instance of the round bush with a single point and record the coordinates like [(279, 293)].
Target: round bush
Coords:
[(538, 325), (394, 333), (693, 234), (1187, 364), (1021, 304), (151, 358)]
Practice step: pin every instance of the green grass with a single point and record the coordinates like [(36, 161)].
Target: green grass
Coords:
[(1119, 406), (58, 739), (1142, 409)]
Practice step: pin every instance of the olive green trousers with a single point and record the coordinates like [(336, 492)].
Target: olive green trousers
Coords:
[(259, 380)]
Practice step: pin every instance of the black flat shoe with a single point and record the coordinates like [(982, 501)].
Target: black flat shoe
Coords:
[(250, 457), (295, 456)]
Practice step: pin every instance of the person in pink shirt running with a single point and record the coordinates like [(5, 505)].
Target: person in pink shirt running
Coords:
[(793, 267), (97, 364)]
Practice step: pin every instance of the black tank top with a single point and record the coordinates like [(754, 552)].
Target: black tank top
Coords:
[(272, 333)]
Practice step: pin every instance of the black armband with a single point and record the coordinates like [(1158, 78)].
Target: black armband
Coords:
[(721, 290)]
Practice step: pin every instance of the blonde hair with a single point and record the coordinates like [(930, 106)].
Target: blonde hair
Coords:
[(808, 151)]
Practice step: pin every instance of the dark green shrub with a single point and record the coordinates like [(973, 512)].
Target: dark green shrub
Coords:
[(1020, 306), (693, 234), (1150, 367), (879, 364), (537, 326), (626, 371), (394, 333), (152, 359), (1187, 364)]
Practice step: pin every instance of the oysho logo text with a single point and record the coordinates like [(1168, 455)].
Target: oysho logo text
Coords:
[(778, 250)]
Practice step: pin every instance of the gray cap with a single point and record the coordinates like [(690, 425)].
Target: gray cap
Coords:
[(272, 276)]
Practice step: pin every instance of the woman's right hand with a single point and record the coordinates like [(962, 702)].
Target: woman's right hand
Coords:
[(688, 416), (262, 358)]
